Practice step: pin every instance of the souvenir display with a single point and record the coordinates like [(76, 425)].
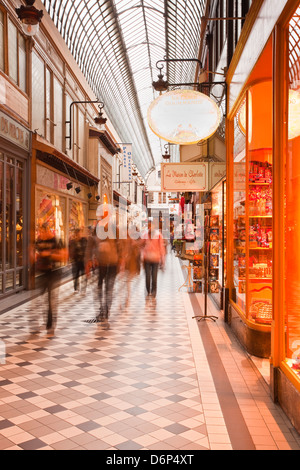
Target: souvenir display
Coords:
[(197, 287), (253, 236), (214, 287), (242, 287), (214, 221), (215, 248), (261, 311)]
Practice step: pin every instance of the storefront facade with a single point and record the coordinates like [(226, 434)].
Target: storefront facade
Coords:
[(61, 192), (15, 141), (263, 135)]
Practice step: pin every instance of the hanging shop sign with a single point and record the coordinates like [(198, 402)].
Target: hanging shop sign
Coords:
[(184, 117), (177, 177), (127, 162), (217, 172)]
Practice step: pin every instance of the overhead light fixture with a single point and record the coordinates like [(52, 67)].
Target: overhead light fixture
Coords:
[(30, 17), (98, 198), (78, 189), (90, 195), (69, 186)]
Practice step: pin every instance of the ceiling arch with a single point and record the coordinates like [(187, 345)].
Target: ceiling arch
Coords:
[(117, 43)]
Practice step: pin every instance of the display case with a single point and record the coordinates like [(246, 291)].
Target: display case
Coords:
[(259, 235), (217, 246), (252, 212)]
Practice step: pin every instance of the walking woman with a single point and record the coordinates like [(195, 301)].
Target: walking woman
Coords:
[(153, 256)]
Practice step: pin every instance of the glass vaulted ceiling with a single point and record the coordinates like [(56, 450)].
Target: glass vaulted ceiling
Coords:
[(117, 43)]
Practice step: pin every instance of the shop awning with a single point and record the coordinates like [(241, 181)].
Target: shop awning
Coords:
[(106, 139), (118, 197), (46, 153)]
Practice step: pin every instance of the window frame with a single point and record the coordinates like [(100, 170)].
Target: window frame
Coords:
[(5, 70)]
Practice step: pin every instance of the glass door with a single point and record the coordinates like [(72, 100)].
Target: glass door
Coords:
[(12, 173)]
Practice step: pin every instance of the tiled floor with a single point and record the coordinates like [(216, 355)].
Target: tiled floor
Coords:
[(152, 378)]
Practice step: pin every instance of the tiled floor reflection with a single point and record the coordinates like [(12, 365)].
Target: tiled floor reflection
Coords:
[(140, 381)]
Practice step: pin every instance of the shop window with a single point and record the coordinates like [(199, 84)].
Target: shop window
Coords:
[(77, 217), (11, 223), (1, 40), (58, 114), (15, 64), (38, 95), (47, 103), (253, 197), (239, 213), (16, 56), (51, 210), (292, 199), (1, 211)]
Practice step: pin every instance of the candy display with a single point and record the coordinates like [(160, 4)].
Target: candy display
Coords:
[(253, 239), (261, 311), (260, 172)]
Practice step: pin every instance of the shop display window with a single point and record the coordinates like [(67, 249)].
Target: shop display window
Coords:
[(253, 205), (11, 223), (292, 204), (51, 210), (239, 213), (77, 216), (216, 273)]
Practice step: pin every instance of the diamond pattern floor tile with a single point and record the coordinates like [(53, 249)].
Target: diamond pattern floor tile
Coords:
[(124, 384), (131, 383)]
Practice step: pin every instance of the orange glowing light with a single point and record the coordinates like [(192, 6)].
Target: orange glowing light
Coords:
[(294, 115)]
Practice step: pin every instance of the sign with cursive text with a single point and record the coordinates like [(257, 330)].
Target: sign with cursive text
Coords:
[(184, 177)]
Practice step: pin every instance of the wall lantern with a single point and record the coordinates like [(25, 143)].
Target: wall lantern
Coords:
[(77, 189), (100, 119), (69, 186), (30, 17), (184, 117)]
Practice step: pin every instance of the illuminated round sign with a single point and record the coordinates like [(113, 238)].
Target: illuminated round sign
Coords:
[(184, 117)]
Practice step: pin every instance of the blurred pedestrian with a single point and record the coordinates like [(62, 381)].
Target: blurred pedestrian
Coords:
[(130, 264), (48, 254), (77, 249), (106, 252), (153, 257)]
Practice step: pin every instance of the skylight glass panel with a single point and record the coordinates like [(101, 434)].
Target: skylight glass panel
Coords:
[(117, 44)]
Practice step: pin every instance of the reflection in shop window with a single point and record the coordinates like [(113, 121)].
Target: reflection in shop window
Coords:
[(77, 217), (51, 211), (239, 215), (1, 213), (1, 40), (292, 232)]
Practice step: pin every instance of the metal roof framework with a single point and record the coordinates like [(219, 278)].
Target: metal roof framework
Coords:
[(117, 44)]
